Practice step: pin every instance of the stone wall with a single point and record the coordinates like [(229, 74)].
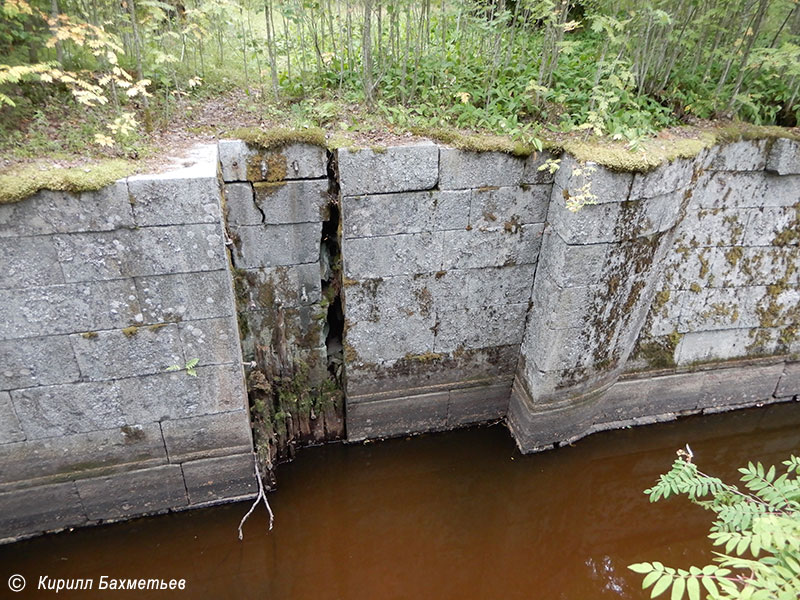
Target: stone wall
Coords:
[(101, 293)]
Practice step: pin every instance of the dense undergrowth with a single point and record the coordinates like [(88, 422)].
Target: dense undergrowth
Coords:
[(99, 78)]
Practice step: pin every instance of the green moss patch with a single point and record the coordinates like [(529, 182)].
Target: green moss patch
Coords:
[(19, 183), (270, 139), (476, 142)]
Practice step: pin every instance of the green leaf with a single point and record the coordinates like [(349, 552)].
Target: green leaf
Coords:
[(693, 588), (678, 587), (661, 585), (174, 368), (192, 363), (641, 567)]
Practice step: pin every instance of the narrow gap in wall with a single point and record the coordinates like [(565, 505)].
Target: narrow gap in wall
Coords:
[(332, 276)]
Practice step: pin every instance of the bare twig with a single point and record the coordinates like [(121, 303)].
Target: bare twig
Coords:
[(261, 496)]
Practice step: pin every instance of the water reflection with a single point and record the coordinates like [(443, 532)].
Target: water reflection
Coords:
[(460, 515)]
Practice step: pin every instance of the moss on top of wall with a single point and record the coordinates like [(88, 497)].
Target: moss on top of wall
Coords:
[(477, 142), (278, 137), (18, 183)]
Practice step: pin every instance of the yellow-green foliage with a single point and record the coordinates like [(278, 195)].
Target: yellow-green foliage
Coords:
[(477, 142), (18, 183), (617, 156), (278, 137)]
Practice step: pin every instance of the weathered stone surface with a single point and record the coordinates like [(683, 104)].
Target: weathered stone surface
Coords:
[(706, 346), (58, 410), (290, 286), (741, 386), (61, 212), (475, 249), (784, 157), (477, 328), (28, 262), (423, 373), (395, 169), (142, 252), (478, 405), (171, 200), (789, 384), (213, 479), (401, 296), (607, 186), (721, 308), (69, 308), (391, 418), (460, 169), (669, 177), (391, 338), (570, 266), (508, 207), (293, 201), (770, 226), (10, 430), (178, 395), (240, 205), (213, 341), (207, 436), (746, 155), (133, 493), (40, 509), (560, 308), (745, 190), (184, 296), (665, 318), (301, 327), (492, 286), (82, 453), (549, 349), (37, 361), (706, 228), (405, 212), (385, 256), (240, 162), (277, 245), (592, 224), (115, 354), (531, 172)]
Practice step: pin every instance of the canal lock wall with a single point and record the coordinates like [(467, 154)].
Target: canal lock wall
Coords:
[(371, 293)]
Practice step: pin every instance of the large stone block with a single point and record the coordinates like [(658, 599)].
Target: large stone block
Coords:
[(552, 350), (746, 155), (37, 361), (242, 162), (28, 262), (665, 313), (62, 212), (133, 493), (721, 308), (491, 248), (461, 169), (477, 328), (10, 429), (289, 286), (773, 226), (403, 296), (725, 227), (560, 308), (293, 201), (185, 296), (60, 458), (789, 384), (395, 169), (116, 354), (666, 178), (212, 341), (94, 256), (171, 200), (493, 286), (784, 157), (736, 387), (207, 436), (240, 205), (276, 245), (385, 256), (40, 509), (177, 395), (532, 173), (570, 266), (58, 410), (391, 338), (508, 207), (70, 308), (396, 417), (592, 224), (707, 346), (605, 185), (478, 404), (405, 212), (745, 190), (299, 328), (215, 479)]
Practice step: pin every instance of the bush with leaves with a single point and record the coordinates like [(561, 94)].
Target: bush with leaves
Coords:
[(758, 527)]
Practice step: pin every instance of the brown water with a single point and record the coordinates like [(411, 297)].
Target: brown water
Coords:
[(460, 515)]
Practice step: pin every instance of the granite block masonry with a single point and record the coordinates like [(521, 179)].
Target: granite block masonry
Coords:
[(101, 293), (441, 287)]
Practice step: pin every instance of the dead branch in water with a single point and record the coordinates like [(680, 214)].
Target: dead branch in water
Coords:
[(261, 495)]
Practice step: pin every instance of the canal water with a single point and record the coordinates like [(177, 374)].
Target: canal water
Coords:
[(459, 515)]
